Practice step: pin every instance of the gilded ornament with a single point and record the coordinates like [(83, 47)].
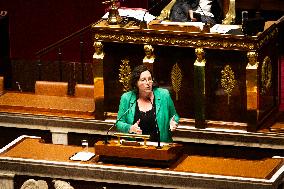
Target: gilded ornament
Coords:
[(266, 75), (228, 81), (124, 74), (99, 53), (176, 77), (252, 57), (149, 54)]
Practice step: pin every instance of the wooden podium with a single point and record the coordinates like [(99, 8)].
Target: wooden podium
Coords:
[(136, 153)]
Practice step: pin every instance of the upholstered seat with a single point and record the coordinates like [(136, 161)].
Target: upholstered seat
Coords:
[(84, 91), (52, 88)]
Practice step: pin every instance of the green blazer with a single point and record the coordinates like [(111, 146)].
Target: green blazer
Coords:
[(165, 110)]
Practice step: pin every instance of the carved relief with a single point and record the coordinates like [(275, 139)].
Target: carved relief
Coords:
[(33, 184), (59, 184), (124, 74), (228, 81), (266, 75), (176, 77)]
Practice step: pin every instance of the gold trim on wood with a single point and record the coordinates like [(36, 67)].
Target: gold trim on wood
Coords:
[(228, 81), (124, 74), (185, 42), (266, 75), (176, 76)]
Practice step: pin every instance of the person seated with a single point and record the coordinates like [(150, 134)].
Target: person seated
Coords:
[(182, 11), (195, 10)]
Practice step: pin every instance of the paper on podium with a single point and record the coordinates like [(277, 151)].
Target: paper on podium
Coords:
[(138, 13), (223, 28), (82, 156)]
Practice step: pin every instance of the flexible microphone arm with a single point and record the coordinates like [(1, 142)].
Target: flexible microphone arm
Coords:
[(156, 124), (106, 139)]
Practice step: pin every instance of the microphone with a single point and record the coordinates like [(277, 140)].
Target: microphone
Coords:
[(106, 139), (157, 128)]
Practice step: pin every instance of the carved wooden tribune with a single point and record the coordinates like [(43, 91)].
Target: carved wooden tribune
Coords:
[(216, 80), (137, 153)]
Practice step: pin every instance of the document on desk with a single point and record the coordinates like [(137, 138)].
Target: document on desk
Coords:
[(137, 13), (223, 28), (82, 156)]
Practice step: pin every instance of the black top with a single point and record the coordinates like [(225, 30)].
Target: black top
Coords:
[(147, 122)]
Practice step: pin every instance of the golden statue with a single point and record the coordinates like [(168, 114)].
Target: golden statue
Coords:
[(149, 54), (200, 57), (252, 57), (99, 53)]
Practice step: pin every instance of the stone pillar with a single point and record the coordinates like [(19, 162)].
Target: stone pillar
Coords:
[(7, 180), (59, 136)]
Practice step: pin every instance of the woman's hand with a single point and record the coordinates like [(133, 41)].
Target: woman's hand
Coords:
[(173, 124), (135, 128)]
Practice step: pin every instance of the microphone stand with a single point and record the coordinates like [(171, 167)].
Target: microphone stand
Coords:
[(157, 128), (106, 139)]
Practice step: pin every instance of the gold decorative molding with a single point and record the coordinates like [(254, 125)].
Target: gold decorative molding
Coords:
[(185, 42), (176, 76), (228, 81), (124, 74), (266, 75)]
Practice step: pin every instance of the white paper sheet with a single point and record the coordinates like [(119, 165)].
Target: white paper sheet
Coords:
[(82, 156)]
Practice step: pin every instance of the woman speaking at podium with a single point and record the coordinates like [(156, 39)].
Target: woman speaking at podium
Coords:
[(147, 109)]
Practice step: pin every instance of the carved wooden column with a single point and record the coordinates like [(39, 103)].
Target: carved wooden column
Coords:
[(252, 90), (97, 66), (199, 88)]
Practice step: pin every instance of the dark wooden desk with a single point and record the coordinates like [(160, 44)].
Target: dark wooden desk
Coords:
[(31, 157)]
